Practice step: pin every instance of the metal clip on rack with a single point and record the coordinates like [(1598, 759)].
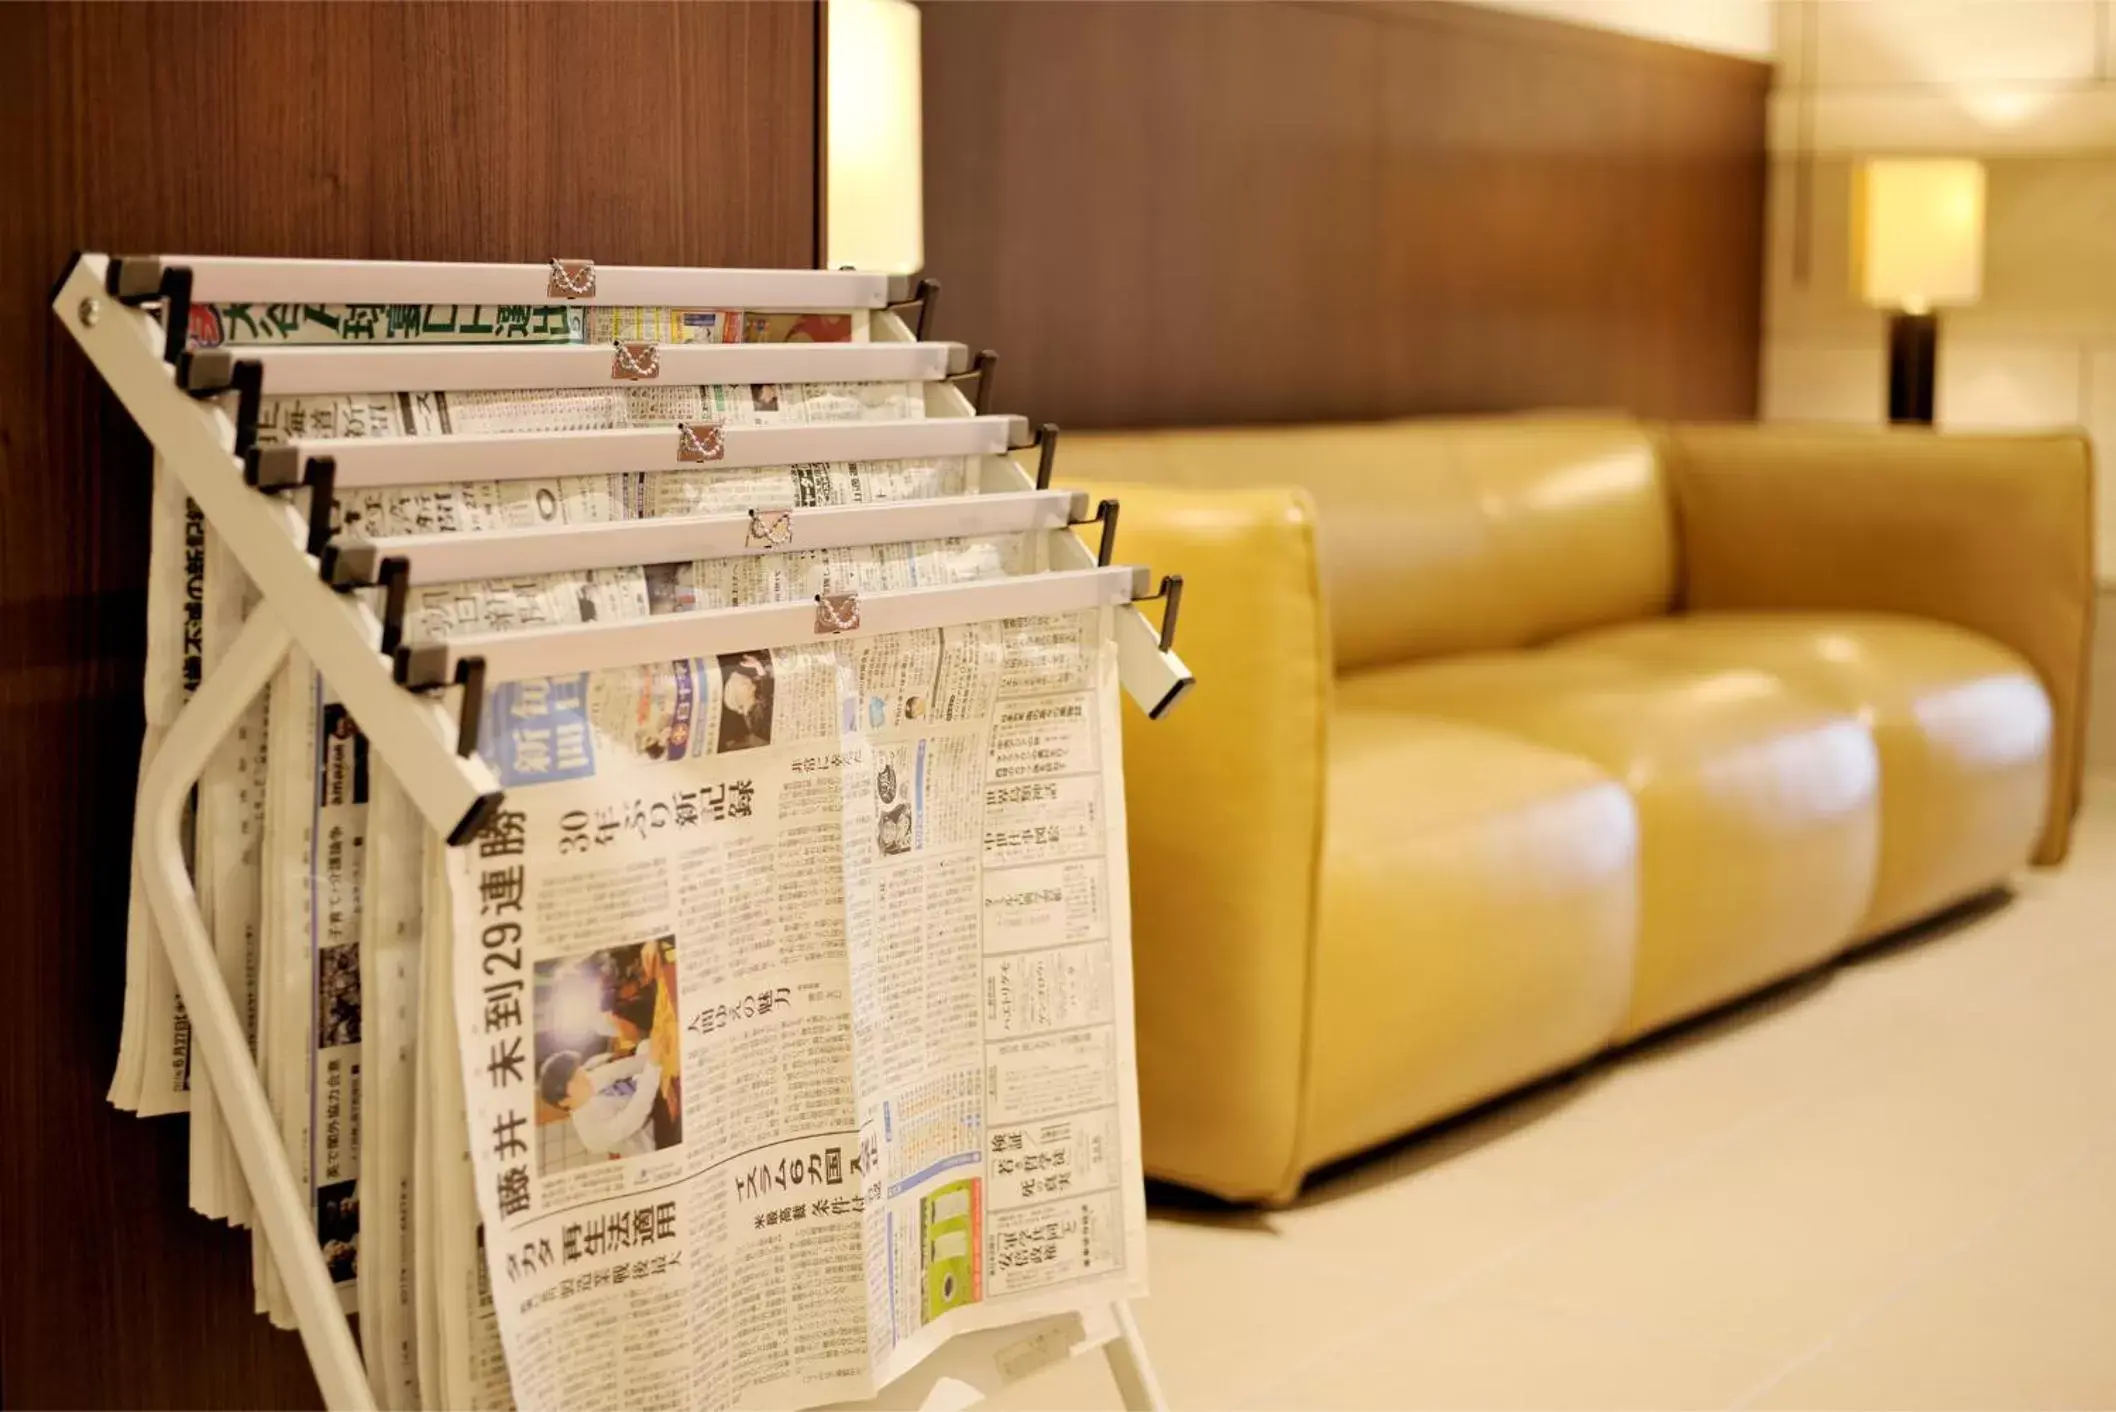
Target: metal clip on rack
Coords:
[(199, 407)]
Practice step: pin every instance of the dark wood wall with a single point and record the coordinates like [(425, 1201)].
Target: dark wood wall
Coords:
[(661, 133), (1166, 214)]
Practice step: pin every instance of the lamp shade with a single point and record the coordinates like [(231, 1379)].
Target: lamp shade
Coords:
[(875, 196), (1918, 233)]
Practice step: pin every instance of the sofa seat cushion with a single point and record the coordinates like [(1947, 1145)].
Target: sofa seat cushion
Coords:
[(1478, 907), (1961, 723), (1757, 810)]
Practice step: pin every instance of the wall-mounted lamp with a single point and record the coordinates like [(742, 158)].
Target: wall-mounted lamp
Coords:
[(1917, 245), (874, 191)]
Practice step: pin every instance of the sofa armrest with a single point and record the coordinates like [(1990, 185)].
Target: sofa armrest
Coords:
[(1990, 533), (1224, 798)]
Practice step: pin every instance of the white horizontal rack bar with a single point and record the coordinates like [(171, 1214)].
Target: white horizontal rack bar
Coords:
[(677, 539), (556, 651), (219, 279), (472, 368), (368, 461)]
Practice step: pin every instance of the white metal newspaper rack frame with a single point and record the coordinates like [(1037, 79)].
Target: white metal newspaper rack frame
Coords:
[(131, 315)]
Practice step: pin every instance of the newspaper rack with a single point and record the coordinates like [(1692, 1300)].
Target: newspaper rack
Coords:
[(130, 316)]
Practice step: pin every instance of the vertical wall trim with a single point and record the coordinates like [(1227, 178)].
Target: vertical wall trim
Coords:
[(821, 167)]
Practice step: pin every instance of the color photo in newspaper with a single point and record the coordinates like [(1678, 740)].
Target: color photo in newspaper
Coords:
[(795, 1020)]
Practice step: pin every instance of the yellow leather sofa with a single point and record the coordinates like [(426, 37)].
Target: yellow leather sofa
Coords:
[(1519, 737)]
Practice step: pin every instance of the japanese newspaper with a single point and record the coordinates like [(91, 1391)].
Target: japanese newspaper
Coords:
[(230, 827), (794, 995), (391, 937), (213, 325), (153, 1074)]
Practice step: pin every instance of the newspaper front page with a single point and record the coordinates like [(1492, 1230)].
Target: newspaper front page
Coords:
[(794, 995)]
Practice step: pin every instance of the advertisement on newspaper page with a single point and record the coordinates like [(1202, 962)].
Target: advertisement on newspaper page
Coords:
[(794, 993)]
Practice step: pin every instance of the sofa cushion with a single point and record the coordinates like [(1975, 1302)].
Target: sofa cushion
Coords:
[(1443, 536), (1961, 723), (1479, 902), (1758, 821)]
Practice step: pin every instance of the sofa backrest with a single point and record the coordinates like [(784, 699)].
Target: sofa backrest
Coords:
[(1441, 535)]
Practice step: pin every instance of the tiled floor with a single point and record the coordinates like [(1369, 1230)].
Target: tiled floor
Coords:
[(1890, 1187)]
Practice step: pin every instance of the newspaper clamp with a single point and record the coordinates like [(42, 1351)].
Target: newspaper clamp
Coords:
[(1031, 658)]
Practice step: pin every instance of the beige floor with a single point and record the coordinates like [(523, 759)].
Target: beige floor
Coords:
[(1894, 1187)]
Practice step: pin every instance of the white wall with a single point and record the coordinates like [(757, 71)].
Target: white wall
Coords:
[(1741, 27)]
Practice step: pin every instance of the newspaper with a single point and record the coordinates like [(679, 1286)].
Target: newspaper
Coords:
[(153, 1075), (308, 980), (794, 1052), (310, 969), (469, 1369), (213, 325), (392, 930), (229, 830), (435, 1016), (612, 323), (282, 931)]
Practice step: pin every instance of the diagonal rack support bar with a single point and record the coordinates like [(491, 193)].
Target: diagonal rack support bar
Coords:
[(338, 632)]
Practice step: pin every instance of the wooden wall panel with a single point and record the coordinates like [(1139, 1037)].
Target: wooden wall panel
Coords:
[(652, 133), (1170, 214)]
